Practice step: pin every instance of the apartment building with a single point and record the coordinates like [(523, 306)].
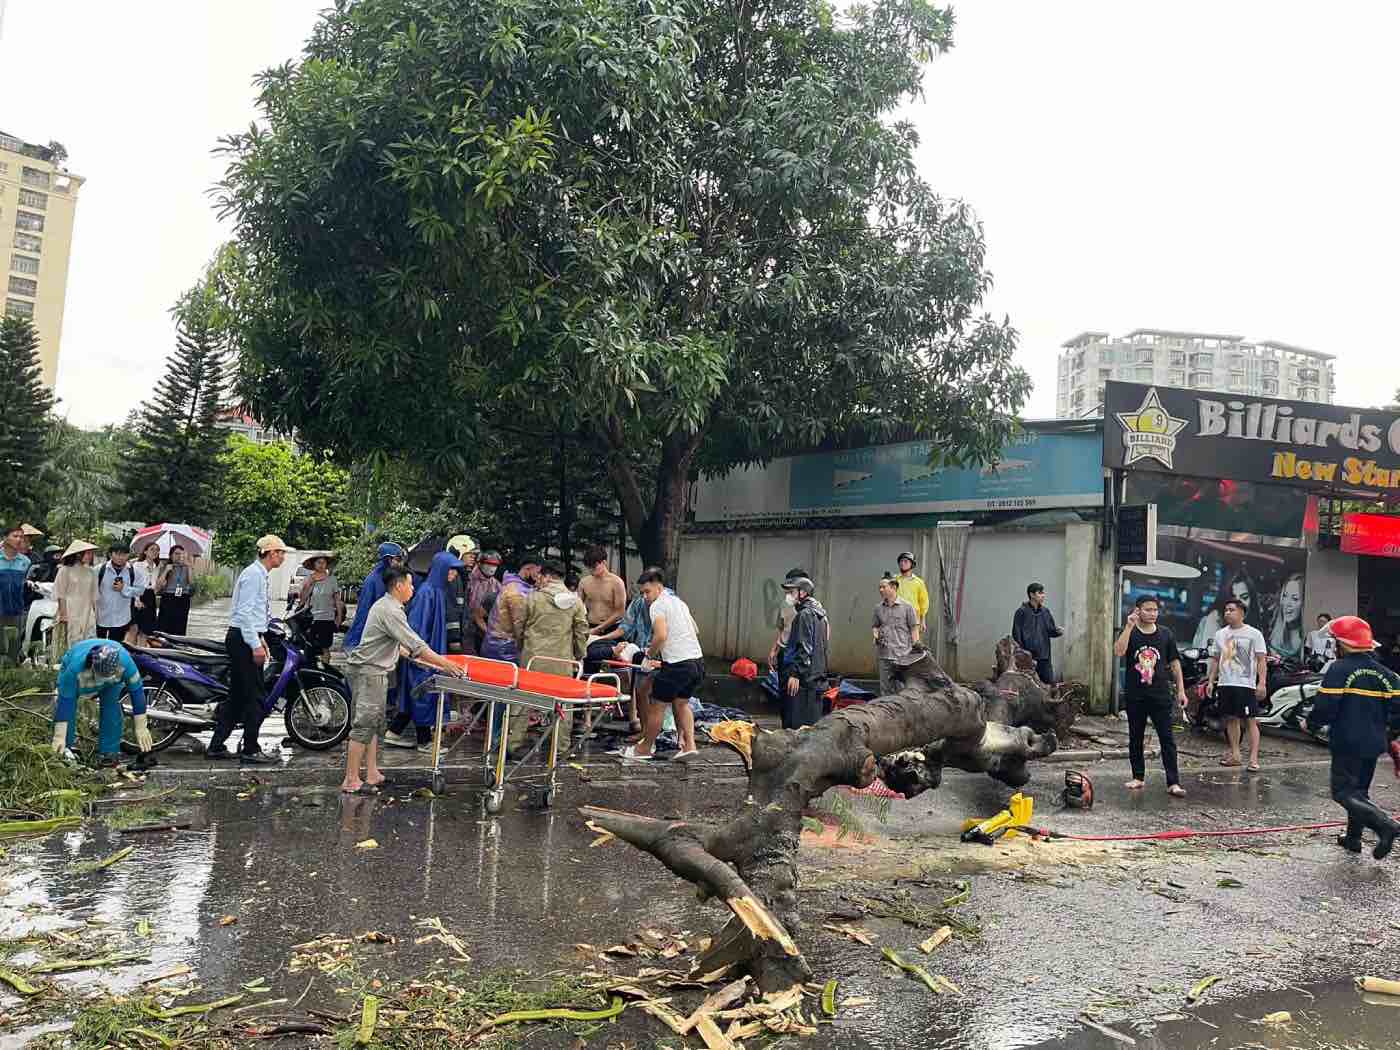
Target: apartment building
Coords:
[(1198, 360), (38, 200)]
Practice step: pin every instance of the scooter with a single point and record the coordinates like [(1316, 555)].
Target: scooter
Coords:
[(1292, 690), (186, 678), (39, 620)]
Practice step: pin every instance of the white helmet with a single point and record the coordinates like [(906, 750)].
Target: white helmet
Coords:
[(462, 545)]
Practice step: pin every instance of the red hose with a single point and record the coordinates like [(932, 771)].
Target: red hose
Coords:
[(1185, 833)]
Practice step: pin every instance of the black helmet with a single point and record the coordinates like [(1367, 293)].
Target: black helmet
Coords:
[(799, 583), (907, 554)]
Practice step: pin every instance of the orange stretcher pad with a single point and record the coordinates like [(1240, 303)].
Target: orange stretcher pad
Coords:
[(558, 686)]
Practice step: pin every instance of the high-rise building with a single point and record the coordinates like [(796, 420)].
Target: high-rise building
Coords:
[(38, 199), (1197, 360)]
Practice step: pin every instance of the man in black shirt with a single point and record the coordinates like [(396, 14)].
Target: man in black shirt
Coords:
[(1151, 665), (1357, 701)]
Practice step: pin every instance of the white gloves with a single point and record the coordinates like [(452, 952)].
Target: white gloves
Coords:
[(59, 744), (143, 735)]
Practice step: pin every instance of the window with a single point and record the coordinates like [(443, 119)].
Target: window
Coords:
[(1178, 359), (24, 242), (1201, 380), (24, 264), (1271, 368), (11, 143), (24, 286), (1145, 356), (3, 167), (1105, 374), (19, 308), (1078, 397), (1143, 374), (1177, 378), (1308, 393), (35, 177), (1202, 360), (34, 199), (25, 220), (1271, 386)]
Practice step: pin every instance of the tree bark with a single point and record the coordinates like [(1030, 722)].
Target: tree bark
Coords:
[(750, 863), (655, 527)]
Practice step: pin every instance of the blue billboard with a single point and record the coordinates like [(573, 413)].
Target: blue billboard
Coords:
[(1038, 471)]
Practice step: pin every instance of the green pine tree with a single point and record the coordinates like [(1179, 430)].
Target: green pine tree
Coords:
[(173, 473), (24, 408)]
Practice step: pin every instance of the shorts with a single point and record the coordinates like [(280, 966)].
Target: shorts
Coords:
[(114, 633), (370, 692), (677, 681), (1237, 701)]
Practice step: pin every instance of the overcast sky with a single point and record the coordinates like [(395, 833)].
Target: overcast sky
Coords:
[(1227, 167)]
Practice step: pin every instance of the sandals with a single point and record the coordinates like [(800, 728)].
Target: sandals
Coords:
[(1135, 785), (363, 789), (1176, 791), (1226, 760), (1253, 767)]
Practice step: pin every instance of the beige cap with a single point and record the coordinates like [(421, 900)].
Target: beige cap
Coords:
[(271, 543), (77, 547), (29, 530)]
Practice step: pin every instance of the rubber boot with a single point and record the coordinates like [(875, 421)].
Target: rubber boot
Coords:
[(1365, 812)]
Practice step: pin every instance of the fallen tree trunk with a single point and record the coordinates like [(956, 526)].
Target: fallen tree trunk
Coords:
[(908, 738)]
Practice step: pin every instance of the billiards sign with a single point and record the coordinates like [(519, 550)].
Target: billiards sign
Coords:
[(1208, 434)]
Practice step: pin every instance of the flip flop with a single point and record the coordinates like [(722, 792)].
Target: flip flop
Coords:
[(1228, 761), (1176, 791), (1252, 768)]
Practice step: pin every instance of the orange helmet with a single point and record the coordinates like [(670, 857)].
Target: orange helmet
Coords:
[(1353, 632)]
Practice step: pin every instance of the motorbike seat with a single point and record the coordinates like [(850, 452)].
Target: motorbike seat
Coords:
[(185, 641), (185, 656)]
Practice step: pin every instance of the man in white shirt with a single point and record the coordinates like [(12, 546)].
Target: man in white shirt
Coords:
[(247, 652), (116, 590), (674, 653), (1239, 665), (1321, 646)]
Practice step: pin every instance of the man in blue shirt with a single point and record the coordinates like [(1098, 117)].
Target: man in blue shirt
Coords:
[(247, 656), (371, 590), (101, 668), (14, 568)]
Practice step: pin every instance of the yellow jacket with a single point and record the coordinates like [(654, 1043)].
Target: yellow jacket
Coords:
[(913, 591)]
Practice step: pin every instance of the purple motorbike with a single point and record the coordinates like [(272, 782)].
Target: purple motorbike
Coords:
[(187, 677)]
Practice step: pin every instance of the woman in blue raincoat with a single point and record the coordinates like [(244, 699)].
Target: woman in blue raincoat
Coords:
[(427, 613)]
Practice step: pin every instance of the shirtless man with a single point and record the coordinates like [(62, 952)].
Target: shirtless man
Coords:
[(603, 592)]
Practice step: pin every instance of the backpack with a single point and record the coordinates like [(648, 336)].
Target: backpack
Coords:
[(102, 573)]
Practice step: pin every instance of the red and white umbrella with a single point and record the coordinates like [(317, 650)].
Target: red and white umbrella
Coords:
[(194, 540)]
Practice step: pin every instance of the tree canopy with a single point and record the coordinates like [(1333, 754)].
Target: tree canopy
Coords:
[(691, 231), (24, 421)]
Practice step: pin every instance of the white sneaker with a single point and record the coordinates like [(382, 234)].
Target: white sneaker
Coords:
[(630, 751), (392, 739), (682, 756)]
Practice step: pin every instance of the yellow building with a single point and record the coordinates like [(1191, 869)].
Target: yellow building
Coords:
[(38, 200)]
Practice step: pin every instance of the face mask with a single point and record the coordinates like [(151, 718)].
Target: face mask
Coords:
[(488, 570), (790, 598)]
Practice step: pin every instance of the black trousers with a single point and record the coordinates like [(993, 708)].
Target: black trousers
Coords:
[(1159, 710), (804, 709), (245, 695), (1351, 789)]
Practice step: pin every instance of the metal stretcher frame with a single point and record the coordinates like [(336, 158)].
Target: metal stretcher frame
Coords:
[(497, 772)]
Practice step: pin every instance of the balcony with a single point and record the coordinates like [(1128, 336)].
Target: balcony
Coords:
[(1308, 375), (1178, 360), (1202, 360), (1202, 380), (36, 178)]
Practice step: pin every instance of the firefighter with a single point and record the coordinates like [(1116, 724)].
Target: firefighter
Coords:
[(1358, 701)]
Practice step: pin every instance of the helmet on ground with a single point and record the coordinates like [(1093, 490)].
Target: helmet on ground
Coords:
[(105, 661), (462, 545), (907, 555), (390, 550), (1353, 632)]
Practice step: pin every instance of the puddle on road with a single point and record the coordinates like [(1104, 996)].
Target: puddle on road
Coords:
[(1329, 1017)]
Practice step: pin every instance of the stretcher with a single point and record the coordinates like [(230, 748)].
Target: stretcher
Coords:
[(491, 682)]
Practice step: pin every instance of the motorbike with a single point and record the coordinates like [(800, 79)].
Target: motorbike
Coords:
[(39, 619), (1291, 691), (185, 679)]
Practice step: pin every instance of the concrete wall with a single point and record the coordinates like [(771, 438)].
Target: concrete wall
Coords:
[(1331, 585), (732, 583)]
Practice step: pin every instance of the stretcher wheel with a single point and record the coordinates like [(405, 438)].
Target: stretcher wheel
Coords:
[(490, 777), (493, 801), (547, 798), (439, 784)]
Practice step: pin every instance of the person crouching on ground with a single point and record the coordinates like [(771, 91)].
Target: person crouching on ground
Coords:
[(1358, 702), (552, 634), (102, 669), (428, 616), (368, 666), (1151, 663), (804, 662)]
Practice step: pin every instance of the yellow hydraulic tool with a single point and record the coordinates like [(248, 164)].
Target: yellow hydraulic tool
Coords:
[(1017, 814)]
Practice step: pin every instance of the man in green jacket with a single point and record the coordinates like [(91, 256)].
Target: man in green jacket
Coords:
[(555, 625)]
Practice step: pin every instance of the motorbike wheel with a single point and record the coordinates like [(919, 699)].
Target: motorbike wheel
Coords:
[(163, 734), (319, 718)]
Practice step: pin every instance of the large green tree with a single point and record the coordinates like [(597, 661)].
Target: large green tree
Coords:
[(691, 230), (25, 403), (174, 466), (83, 484)]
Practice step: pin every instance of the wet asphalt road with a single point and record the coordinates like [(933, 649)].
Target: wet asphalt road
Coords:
[(1119, 931)]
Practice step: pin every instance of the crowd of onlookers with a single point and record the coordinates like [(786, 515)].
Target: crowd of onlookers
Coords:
[(122, 598)]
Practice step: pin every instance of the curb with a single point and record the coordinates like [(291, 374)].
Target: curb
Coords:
[(1094, 756)]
